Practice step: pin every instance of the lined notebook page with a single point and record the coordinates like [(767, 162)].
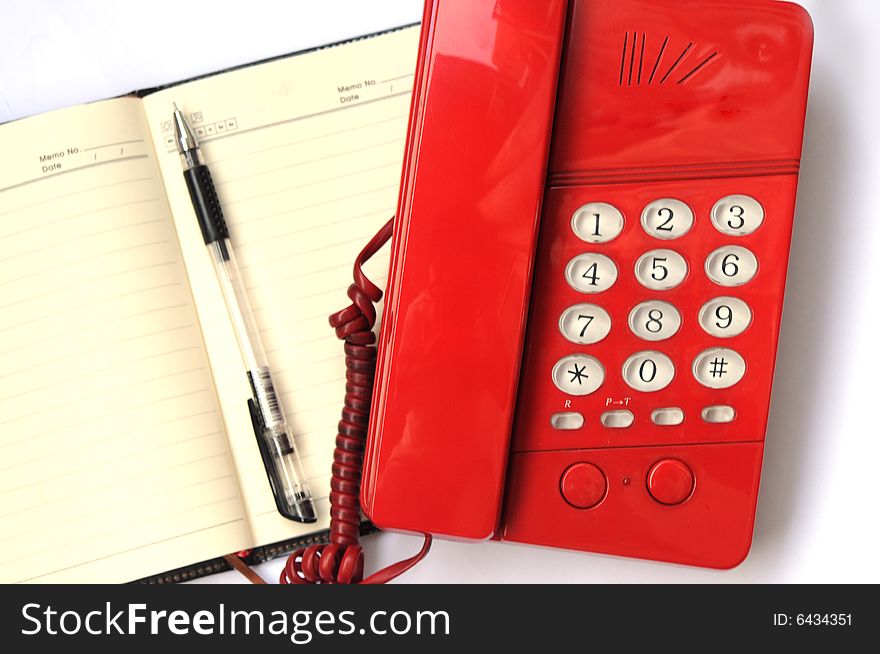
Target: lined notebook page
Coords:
[(306, 153), (113, 458)]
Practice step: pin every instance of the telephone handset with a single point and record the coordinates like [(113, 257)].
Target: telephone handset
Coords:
[(588, 266)]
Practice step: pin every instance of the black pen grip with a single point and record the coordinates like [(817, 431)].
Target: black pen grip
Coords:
[(206, 204)]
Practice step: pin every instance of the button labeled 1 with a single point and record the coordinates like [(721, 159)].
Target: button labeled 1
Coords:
[(585, 324), (578, 375), (667, 219), (591, 273), (597, 222)]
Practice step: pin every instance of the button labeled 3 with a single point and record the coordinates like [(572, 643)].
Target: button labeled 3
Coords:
[(737, 215)]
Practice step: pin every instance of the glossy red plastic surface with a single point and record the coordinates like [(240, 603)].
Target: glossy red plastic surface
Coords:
[(685, 99), (462, 259), (732, 126)]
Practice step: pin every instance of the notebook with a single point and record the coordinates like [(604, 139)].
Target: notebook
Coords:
[(126, 446)]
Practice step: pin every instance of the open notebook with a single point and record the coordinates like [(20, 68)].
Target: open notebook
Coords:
[(126, 447)]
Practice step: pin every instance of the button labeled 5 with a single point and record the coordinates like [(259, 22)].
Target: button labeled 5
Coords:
[(661, 270)]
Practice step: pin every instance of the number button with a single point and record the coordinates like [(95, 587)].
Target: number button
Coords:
[(725, 317), (597, 222), (661, 270), (648, 371), (591, 273), (731, 265), (585, 324), (737, 215), (719, 368), (654, 321), (578, 374), (667, 219)]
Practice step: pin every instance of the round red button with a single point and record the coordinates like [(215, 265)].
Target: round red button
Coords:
[(583, 485), (670, 481)]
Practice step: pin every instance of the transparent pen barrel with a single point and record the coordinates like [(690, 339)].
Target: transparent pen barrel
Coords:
[(282, 460)]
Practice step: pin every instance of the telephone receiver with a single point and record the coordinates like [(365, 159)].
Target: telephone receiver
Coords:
[(587, 274)]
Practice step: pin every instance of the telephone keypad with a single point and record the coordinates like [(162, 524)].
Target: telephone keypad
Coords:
[(661, 270), (585, 324), (719, 367), (654, 321), (731, 266), (667, 219), (591, 273), (725, 317), (597, 222), (648, 372), (737, 215)]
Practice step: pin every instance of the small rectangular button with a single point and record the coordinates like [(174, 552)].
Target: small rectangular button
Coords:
[(718, 415), (667, 417), (567, 421), (617, 419)]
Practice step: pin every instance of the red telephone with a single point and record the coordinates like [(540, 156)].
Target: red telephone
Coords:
[(582, 314), (580, 354)]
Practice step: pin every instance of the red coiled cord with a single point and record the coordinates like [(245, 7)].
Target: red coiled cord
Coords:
[(341, 561)]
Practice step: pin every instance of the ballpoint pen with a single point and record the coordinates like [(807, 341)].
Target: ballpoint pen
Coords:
[(274, 436)]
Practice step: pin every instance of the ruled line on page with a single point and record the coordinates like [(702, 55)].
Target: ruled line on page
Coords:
[(67, 196), (140, 521), (135, 549), (127, 502), (89, 213), (95, 164), (100, 464)]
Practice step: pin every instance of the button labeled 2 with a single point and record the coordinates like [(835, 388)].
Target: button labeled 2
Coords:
[(667, 219)]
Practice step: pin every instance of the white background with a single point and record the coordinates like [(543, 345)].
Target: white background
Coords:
[(818, 515)]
